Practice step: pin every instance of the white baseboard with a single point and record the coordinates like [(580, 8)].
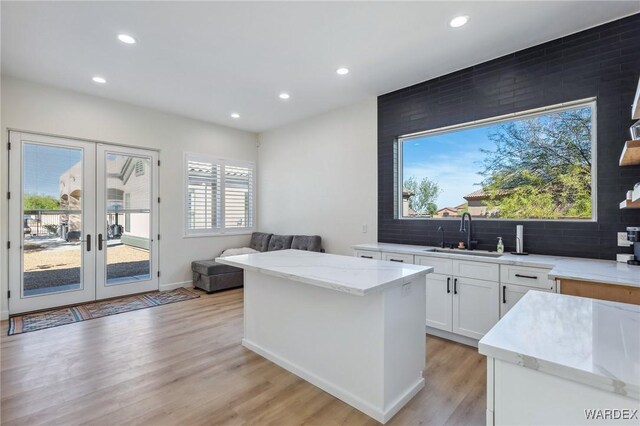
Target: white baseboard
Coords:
[(173, 286), (4, 315), (370, 410), (452, 336)]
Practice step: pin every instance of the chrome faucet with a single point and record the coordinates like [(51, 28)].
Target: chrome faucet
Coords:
[(463, 228), (442, 235)]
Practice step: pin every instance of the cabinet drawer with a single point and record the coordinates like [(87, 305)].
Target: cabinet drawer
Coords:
[(526, 275), (395, 257), (440, 265), (476, 270), (366, 254), (510, 294)]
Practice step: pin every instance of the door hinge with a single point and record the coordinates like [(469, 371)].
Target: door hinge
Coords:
[(8, 244), (158, 236), (9, 146), (158, 163), (158, 273), (158, 199), (8, 294), (8, 195)]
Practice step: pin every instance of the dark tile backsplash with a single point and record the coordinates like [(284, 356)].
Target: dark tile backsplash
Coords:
[(602, 62)]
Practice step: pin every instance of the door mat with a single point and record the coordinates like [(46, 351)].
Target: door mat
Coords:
[(61, 316)]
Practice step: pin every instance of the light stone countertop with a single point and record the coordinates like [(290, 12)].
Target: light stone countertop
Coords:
[(347, 274), (590, 341), (594, 270)]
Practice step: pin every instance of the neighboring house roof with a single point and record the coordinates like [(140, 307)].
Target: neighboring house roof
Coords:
[(449, 209), (406, 193), (480, 194)]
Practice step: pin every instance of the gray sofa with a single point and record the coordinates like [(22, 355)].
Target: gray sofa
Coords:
[(211, 276)]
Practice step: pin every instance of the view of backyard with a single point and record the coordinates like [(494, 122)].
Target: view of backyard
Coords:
[(532, 167)]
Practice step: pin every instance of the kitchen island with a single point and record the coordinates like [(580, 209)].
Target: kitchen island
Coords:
[(353, 327), (556, 359)]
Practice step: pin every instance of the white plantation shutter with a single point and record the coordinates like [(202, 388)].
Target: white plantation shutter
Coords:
[(238, 196), (203, 196), (219, 195)]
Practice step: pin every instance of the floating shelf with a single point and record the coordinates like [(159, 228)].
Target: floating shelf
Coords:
[(626, 204), (630, 154)]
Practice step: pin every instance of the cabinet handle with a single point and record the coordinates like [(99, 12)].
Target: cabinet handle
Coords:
[(396, 260), (367, 257), (448, 282), (504, 294), (531, 277), (455, 286)]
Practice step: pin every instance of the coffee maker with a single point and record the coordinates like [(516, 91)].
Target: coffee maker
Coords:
[(633, 235)]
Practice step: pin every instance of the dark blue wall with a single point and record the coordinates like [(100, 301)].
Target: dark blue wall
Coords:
[(602, 62)]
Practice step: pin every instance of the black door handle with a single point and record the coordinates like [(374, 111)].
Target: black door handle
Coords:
[(504, 294), (531, 277), (396, 260), (448, 282), (99, 241), (455, 286), (88, 242)]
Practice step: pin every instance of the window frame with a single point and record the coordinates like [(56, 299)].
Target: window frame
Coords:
[(587, 102), (222, 230)]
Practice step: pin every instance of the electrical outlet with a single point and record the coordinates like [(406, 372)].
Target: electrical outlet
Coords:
[(622, 240)]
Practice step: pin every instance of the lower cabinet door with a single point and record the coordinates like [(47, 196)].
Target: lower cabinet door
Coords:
[(439, 301), (475, 306)]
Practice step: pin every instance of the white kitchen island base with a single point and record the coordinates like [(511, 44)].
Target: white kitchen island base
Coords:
[(367, 350)]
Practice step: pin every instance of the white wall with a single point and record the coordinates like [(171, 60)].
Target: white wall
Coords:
[(319, 176), (43, 109)]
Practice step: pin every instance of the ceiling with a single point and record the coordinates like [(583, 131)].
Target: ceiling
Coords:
[(206, 60)]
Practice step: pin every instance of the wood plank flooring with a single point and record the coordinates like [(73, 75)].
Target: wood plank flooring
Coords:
[(182, 364)]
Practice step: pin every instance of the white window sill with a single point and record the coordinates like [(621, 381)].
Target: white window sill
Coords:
[(221, 234)]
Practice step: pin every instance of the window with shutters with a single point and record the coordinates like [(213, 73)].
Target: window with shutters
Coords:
[(219, 196)]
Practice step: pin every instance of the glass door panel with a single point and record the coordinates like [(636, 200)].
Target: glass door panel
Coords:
[(126, 225), (50, 219)]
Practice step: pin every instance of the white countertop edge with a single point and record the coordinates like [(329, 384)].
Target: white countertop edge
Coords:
[(557, 265), (608, 384), (332, 285)]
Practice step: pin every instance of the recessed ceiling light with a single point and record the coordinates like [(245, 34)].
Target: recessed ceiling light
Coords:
[(458, 21), (235, 115), (342, 71), (284, 96), (100, 80), (126, 38)]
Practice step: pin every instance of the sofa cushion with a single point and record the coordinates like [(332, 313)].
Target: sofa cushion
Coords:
[(307, 242), (280, 242), (260, 241), (210, 267)]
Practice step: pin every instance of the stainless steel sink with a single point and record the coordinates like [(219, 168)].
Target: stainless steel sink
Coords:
[(481, 253)]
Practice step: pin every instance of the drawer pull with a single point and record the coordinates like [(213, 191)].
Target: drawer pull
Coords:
[(448, 282), (366, 257), (504, 294), (396, 260), (531, 277)]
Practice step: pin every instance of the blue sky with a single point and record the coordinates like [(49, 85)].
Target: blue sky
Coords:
[(43, 166), (451, 159)]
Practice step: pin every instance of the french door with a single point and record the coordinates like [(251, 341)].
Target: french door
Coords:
[(82, 221)]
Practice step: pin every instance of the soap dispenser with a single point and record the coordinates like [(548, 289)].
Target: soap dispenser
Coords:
[(500, 248)]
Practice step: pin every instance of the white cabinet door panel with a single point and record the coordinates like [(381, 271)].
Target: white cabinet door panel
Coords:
[(439, 301), (476, 270), (440, 265), (475, 306)]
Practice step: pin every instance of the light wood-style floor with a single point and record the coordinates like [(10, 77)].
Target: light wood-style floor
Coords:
[(183, 364)]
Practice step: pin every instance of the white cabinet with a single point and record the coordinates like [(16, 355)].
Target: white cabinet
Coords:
[(440, 265), (368, 254), (476, 269), (439, 302), (396, 257), (511, 293), (475, 306), (527, 276)]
